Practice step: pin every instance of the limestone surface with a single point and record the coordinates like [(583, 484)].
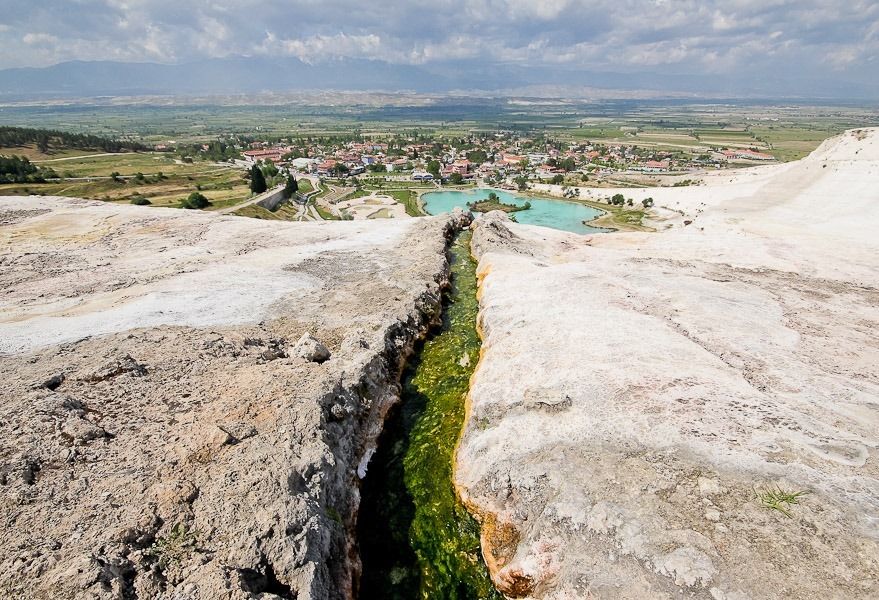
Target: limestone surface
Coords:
[(159, 435), (688, 413)]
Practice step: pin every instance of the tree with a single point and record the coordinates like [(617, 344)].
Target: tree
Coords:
[(492, 197), (456, 178), (43, 143), (196, 200), (433, 167), (521, 183), (115, 177), (618, 199), (257, 180), (647, 202), (557, 179), (477, 156), (291, 187)]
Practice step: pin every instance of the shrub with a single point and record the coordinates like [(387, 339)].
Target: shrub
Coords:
[(196, 200), (140, 201)]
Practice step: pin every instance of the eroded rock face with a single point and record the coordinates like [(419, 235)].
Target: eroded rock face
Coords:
[(159, 437), (638, 393)]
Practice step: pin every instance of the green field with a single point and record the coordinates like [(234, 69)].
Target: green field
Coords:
[(790, 129), (165, 182), (125, 163)]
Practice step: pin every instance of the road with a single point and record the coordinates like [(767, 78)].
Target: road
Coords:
[(254, 200)]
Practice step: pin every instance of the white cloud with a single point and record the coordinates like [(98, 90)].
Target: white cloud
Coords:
[(35, 39), (699, 36)]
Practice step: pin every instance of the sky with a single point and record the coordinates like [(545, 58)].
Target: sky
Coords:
[(823, 38)]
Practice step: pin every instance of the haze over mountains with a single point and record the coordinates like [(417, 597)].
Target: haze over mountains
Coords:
[(232, 75)]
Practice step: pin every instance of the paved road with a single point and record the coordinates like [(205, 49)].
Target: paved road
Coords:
[(83, 156)]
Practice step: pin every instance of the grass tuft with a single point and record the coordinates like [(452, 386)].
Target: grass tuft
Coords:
[(778, 499), (174, 548)]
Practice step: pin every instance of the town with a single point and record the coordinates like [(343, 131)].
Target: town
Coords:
[(504, 158)]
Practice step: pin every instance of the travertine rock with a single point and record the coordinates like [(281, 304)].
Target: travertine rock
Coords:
[(311, 349), (155, 440), (637, 391)]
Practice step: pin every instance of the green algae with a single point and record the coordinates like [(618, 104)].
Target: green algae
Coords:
[(416, 538)]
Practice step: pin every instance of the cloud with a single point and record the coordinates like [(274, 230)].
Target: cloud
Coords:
[(35, 39), (675, 36)]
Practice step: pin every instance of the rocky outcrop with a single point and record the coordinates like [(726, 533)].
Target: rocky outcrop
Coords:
[(686, 413), (311, 349), (159, 434)]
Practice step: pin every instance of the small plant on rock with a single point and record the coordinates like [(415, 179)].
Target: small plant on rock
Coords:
[(778, 499), (176, 547)]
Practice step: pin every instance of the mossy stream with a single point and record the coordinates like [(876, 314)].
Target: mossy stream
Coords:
[(416, 539)]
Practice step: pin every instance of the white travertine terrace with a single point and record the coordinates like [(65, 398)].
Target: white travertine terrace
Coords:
[(637, 391)]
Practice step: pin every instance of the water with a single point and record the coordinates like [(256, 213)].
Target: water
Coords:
[(416, 539), (558, 214)]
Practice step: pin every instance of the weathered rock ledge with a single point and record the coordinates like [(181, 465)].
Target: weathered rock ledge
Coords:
[(637, 394), (159, 437)]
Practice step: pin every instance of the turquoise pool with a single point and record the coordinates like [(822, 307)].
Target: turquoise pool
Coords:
[(558, 214)]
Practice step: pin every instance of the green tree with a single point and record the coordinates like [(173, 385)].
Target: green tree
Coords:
[(257, 180), (456, 178), (433, 167), (196, 200), (557, 179), (43, 143), (521, 183), (647, 202), (291, 187), (477, 156), (618, 199)]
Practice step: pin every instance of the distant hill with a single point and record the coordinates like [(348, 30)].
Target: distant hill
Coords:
[(259, 74), (215, 76)]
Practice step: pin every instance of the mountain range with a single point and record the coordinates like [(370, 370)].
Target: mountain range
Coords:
[(232, 75)]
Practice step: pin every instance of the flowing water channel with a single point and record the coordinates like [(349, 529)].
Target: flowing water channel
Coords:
[(416, 539)]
